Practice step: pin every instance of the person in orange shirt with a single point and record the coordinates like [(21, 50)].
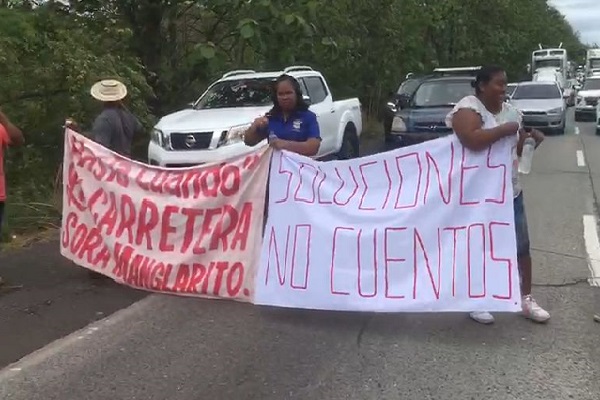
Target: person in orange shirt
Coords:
[(10, 135)]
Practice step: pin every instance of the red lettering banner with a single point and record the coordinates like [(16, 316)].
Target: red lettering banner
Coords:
[(192, 231)]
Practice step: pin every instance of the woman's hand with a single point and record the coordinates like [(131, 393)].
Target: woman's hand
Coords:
[(260, 122), (534, 133), (277, 143), (253, 134), (537, 136), (71, 124), (509, 128)]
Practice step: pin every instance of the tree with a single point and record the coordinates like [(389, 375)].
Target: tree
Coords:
[(169, 51)]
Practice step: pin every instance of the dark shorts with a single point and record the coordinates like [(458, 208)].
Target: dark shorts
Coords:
[(521, 228)]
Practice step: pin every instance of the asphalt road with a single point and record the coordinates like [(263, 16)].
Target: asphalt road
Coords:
[(164, 347)]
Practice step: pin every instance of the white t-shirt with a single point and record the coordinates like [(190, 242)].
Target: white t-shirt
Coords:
[(508, 114)]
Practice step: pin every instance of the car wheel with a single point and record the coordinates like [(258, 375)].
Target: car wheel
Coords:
[(350, 144)]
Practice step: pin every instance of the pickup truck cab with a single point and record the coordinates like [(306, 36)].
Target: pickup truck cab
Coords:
[(423, 118), (211, 130)]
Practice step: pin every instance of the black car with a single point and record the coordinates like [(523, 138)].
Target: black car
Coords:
[(423, 118), (399, 100)]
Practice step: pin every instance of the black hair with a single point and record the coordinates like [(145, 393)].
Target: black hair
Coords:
[(485, 75), (301, 105)]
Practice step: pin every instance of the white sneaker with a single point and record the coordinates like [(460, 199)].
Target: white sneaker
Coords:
[(533, 311), (483, 317)]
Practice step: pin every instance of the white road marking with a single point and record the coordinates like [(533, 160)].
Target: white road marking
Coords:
[(592, 246), (580, 159), (43, 354), (577, 130)]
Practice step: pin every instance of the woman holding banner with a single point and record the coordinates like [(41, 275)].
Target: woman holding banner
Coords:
[(289, 125), (479, 121)]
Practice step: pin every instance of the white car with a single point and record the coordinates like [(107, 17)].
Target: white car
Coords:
[(542, 104), (594, 72), (212, 129), (587, 100)]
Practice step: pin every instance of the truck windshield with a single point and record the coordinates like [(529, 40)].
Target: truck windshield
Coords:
[(442, 93), (525, 92), (237, 93), (591, 84), (555, 63), (510, 89), (408, 87)]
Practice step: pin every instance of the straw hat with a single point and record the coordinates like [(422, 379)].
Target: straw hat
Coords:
[(109, 90)]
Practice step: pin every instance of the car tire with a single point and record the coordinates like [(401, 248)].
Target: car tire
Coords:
[(350, 144)]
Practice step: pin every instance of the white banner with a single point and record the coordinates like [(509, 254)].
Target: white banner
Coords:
[(425, 228), (191, 231)]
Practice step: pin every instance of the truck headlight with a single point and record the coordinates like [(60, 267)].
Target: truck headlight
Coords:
[(555, 111), (156, 136), (398, 125), (233, 135), (161, 139)]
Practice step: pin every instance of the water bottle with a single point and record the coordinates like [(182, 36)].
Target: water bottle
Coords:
[(527, 156)]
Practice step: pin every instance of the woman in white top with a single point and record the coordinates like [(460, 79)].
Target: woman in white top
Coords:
[(479, 121)]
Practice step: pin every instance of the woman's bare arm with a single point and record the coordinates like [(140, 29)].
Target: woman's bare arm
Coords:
[(252, 137), (468, 127), (308, 148), (253, 134)]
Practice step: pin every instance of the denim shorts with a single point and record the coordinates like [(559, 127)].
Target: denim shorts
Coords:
[(521, 228)]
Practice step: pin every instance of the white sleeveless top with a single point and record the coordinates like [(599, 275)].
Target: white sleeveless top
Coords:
[(508, 114)]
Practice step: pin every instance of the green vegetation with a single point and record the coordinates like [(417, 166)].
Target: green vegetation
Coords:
[(168, 51)]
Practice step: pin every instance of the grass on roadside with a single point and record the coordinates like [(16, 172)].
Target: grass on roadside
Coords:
[(372, 128), (31, 215)]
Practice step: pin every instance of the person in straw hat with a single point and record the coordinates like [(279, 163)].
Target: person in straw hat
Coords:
[(116, 126)]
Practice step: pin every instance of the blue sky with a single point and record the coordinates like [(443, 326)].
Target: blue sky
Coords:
[(584, 16)]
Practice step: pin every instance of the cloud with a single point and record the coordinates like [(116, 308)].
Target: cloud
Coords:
[(583, 15)]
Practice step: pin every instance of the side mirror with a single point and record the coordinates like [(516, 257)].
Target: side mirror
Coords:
[(306, 99), (403, 101), (528, 68), (409, 75), (392, 106)]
